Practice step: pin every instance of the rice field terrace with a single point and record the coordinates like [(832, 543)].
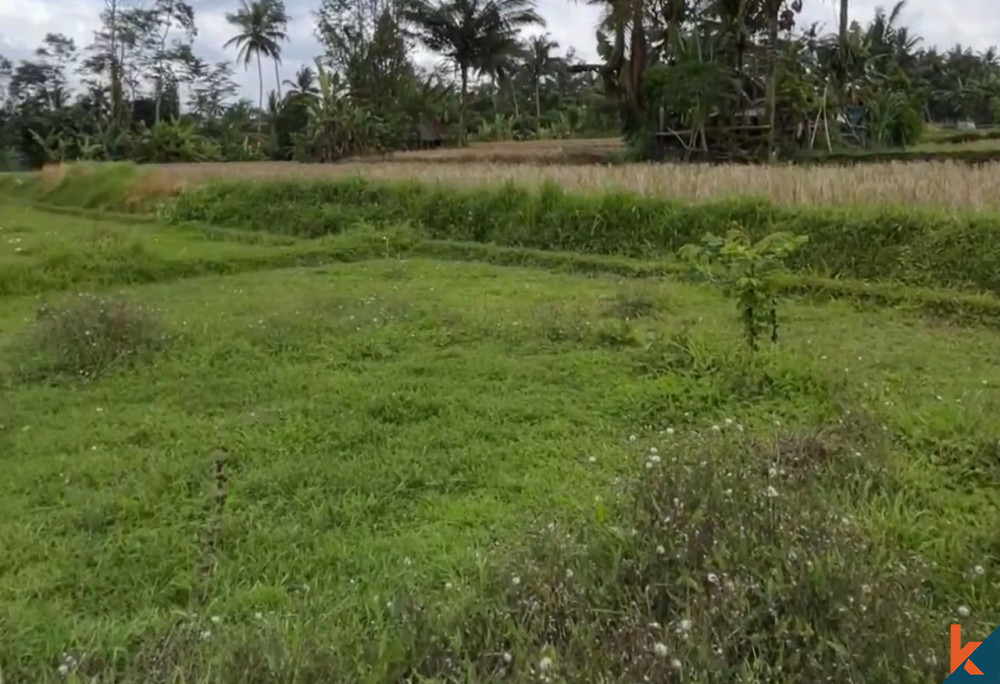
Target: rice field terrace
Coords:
[(946, 185), (275, 423)]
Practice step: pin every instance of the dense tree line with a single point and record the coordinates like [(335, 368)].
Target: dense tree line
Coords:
[(689, 68)]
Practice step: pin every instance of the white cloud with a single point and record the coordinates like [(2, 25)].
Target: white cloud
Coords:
[(23, 24)]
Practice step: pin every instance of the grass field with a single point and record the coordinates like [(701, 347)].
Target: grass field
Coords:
[(923, 184), (343, 461)]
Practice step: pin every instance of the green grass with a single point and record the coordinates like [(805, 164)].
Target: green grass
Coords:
[(393, 436)]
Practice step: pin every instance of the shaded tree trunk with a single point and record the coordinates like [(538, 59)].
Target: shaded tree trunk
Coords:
[(260, 96), (772, 82), (843, 27), (277, 77), (538, 105), (461, 105)]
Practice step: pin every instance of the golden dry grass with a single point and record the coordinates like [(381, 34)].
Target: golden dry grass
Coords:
[(925, 184)]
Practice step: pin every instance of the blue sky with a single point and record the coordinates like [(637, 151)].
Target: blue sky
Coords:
[(23, 23)]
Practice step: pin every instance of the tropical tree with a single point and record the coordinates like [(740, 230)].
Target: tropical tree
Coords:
[(540, 62), (261, 28), (304, 83), (472, 35)]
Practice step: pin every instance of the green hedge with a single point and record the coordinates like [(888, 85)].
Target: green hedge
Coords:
[(912, 246)]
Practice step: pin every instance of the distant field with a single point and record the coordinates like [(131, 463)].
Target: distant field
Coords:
[(924, 184)]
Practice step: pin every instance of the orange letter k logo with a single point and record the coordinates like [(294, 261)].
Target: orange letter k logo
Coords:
[(960, 653)]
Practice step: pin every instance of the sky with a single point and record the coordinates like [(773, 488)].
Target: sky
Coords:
[(23, 24)]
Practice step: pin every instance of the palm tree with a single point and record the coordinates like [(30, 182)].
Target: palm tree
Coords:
[(539, 62), (261, 25), (304, 84), (843, 29), (471, 34), (500, 61)]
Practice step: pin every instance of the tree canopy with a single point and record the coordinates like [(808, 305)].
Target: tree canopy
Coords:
[(679, 77)]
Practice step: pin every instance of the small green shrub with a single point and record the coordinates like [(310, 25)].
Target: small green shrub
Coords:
[(88, 336), (749, 272)]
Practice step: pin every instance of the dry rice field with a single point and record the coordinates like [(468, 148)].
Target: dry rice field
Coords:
[(946, 185)]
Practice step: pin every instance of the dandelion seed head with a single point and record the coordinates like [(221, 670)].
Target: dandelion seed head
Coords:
[(660, 649)]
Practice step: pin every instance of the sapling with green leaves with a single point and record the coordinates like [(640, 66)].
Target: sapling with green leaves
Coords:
[(748, 271)]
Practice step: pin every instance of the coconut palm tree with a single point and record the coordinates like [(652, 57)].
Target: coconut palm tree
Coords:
[(261, 25), (843, 28), (304, 83), (539, 63), (471, 34)]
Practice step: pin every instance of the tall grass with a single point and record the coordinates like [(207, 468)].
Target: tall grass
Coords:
[(943, 185)]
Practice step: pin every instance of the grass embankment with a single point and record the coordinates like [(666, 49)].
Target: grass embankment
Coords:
[(917, 247), (88, 249), (400, 469), (878, 254), (936, 186)]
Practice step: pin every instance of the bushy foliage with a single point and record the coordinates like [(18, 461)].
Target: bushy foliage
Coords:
[(720, 562), (174, 141), (748, 272), (88, 336), (876, 243)]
